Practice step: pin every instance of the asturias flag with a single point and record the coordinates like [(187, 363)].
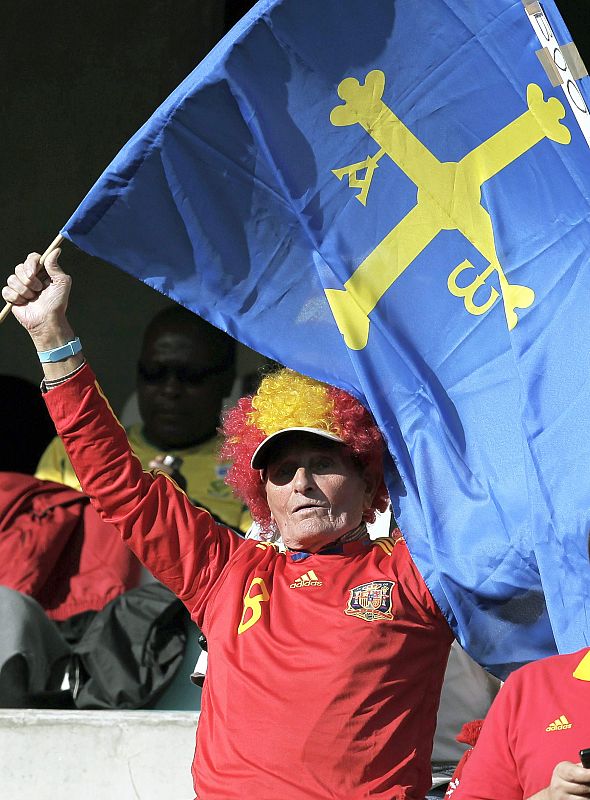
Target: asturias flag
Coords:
[(393, 197)]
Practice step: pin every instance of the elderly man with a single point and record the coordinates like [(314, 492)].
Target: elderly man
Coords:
[(284, 714)]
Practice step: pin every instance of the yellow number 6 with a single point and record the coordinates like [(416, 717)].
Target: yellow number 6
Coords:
[(253, 603)]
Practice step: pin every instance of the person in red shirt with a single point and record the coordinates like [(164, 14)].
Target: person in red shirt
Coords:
[(60, 564), (529, 744), (326, 659)]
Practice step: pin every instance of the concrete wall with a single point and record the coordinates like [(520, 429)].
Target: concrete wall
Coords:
[(96, 755)]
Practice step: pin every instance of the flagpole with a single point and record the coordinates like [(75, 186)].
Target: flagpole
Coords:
[(55, 243)]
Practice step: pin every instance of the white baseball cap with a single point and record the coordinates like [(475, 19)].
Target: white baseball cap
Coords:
[(258, 460)]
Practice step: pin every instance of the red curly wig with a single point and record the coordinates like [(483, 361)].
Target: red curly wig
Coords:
[(287, 399)]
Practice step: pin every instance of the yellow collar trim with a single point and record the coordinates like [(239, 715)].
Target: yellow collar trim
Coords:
[(582, 671)]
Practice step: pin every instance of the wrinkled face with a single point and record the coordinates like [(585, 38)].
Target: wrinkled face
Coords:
[(181, 383), (315, 491)]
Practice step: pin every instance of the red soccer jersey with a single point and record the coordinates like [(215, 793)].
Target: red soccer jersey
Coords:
[(540, 717), (324, 670)]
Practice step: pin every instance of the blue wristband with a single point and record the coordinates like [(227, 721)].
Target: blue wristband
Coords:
[(60, 353)]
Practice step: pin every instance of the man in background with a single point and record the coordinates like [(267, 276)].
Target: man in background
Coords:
[(186, 368)]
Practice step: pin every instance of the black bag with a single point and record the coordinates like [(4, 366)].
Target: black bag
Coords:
[(130, 650)]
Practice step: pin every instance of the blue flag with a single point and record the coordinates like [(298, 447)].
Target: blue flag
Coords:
[(394, 198)]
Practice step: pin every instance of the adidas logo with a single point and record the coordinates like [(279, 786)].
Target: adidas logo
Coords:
[(307, 579), (560, 724)]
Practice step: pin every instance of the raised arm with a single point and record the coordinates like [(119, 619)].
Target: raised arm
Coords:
[(180, 544)]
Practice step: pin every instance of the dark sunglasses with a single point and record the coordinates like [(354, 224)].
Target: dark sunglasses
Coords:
[(160, 373)]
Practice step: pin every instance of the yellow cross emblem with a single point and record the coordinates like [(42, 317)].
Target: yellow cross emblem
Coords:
[(448, 198)]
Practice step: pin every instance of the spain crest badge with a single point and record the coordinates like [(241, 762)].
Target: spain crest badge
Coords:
[(371, 601)]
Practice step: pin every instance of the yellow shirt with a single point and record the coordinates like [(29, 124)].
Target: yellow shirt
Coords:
[(201, 468)]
